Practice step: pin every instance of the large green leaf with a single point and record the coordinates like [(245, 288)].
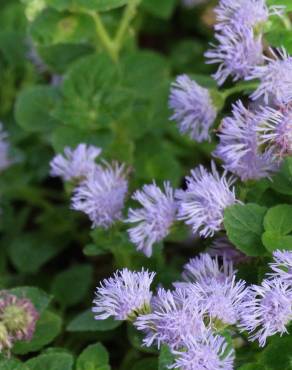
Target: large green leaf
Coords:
[(277, 354), (244, 227), (94, 357), (51, 361)]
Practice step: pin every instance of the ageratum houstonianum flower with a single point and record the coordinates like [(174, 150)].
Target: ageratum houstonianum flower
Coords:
[(19, 317), (267, 310), (155, 218), (237, 52), (249, 13), (193, 108), (102, 194), (275, 78), (239, 146), (173, 319), (202, 204), (282, 265), (123, 296), (209, 353), (75, 163), (204, 269)]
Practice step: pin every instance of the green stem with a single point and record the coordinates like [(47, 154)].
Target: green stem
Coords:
[(249, 86), (104, 37), (129, 14)]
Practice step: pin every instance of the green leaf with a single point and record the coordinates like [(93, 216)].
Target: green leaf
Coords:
[(162, 8), (100, 5), (34, 106), (69, 287), (11, 364), (165, 358), (85, 322), (150, 363), (277, 354), (244, 227), (286, 3), (94, 357), (38, 297), (282, 181), (53, 361), (30, 251), (47, 329), (254, 366)]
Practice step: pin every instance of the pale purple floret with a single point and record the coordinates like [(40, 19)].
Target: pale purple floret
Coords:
[(173, 320), (275, 78), (221, 299), (202, 204), (211, 352), (237, 52), (239, 146), (250, 13), (5, 160), (123, 296), (102, 194), (75, 163), (204, 269), (267, 310), (282, 265), (193, 108), (222, 247), (275, 131), (155, 218)]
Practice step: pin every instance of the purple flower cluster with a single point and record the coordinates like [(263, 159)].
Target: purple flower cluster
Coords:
[(18, 319)]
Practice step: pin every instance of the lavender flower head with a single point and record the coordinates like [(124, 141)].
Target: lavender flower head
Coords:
[(209, 353), (282, 265), (75, 163), (250, 13), (155, 219), (123, 296), (173, 319), (193, 108), (5, 160), (267, 310), (237, 52), (275, 78), (204, 269), (202, 204), (19, 316), (102, 194), (239, 146)]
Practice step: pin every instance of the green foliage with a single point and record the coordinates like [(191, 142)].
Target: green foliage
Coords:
[(94, 357), (51, 361)]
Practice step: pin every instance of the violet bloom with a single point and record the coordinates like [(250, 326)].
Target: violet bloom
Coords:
[(282, 265), (102, 195), (209, 353), (155, 218), (172, 321), (202, 204), (221, 247), (123, 296), (76, 163), (267, 310), (5, 160), (275, 78), (237, 52), (239, 146), (193, 108), (19, 316), (204, 269)]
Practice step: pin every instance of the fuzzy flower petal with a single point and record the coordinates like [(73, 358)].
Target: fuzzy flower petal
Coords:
[(237, 52), (282, 265), (202, 204), (124, 295), (275, 78), (75, 163), (154, 219), (208, 353), (172, 321), (193, 108), (239, 146), (102, 195), (267, 310)]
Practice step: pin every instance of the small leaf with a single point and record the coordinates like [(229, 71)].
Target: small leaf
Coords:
[(162, 8), (51, 361), (94, 357), (99, 5), (85, 322), (244, 226), (12, 364), (165, 358)]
